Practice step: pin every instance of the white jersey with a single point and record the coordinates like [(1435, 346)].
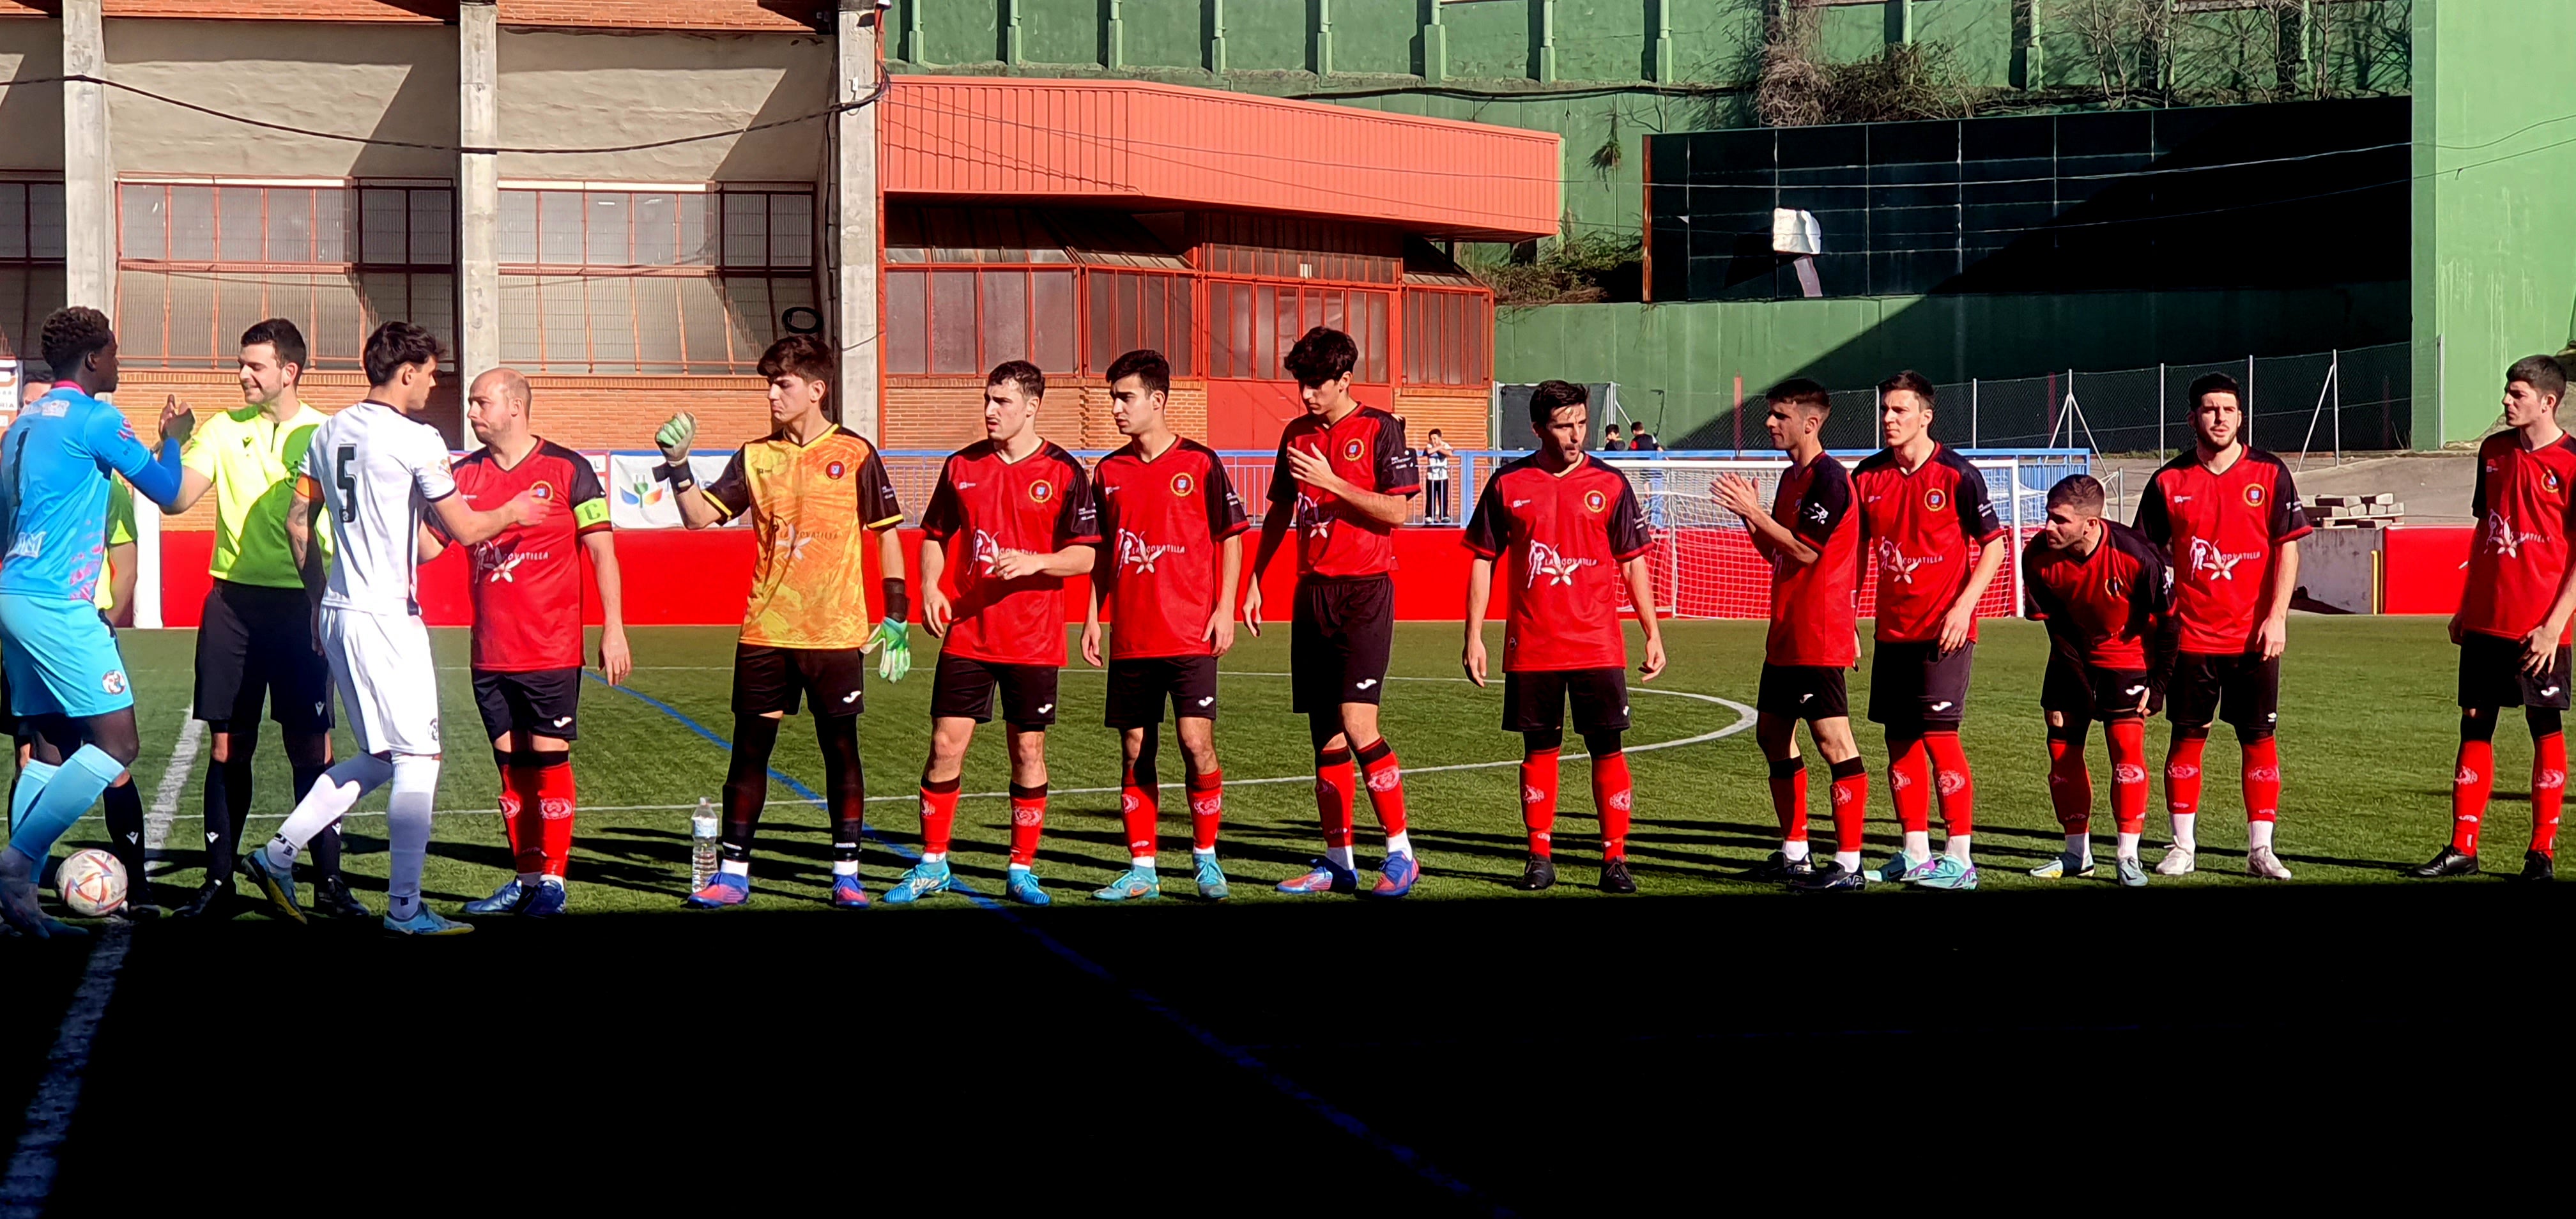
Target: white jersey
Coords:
[(379, 469)]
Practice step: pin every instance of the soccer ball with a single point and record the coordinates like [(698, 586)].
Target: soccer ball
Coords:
[(92, 883)]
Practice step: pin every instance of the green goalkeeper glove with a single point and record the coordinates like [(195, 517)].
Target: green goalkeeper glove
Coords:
[(895, 639), (676, 436)]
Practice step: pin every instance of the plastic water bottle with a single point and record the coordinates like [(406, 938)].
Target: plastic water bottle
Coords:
[(703, 845)]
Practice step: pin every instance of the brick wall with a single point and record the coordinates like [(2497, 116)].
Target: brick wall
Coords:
[(1464, 416), (947, 413), (581, 412)]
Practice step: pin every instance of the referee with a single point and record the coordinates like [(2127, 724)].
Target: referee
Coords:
[(255, 641)]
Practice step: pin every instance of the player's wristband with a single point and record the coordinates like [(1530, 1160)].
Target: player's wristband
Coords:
[(898, 605), (679, 476)]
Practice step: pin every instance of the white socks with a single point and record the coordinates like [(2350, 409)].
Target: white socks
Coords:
[(407, 830), (1399, 844), (2080, 845), (1918, 844), (2258, 834), (1340, 857), (2182, 836), (1794, 851), (2128, 846), (339, 790), (1956, 847)]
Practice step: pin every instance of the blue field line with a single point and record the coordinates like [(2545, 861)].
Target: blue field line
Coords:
[(1347, 1123)]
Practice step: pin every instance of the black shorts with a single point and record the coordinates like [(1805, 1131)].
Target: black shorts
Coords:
[(964, 688), (2491, 675), (1139, 686), (1338, 641), (2083, 692), (542, 702), (1916, 684), (767, 679), (256, 642), (2245, 690), (1535, 701), (1803, 692)]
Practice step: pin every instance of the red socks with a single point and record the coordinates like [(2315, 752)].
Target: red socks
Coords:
[(2470, 786), (1385, 785), (2263, 780), (2182, 776), (2548, 790), (1207, 808), (2070, 784), (1909, 784), (1789, 797), (1333, 782), (1028, 821), (1851, 803), (536, 813), (1958, 790), (1613, 797), (938, 814), (1139, 803), (555, 805), (2128, 774), (1538, 799)]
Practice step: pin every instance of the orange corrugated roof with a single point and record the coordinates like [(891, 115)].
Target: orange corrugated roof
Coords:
[(1151, 144)]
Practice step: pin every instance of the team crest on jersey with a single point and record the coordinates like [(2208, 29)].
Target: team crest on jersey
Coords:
[(1041, 492), (2254, 495), (1594, 501), (1351, 449), (835, 470), (1555, 565), (2549, 481), (1935, 498), (542, 490), (1183, 484)]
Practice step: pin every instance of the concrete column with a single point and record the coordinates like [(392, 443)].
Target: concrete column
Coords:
[(1216, 36), (89, 171), (1113, 36), (1010, 32), (1323, 64), (1435, 43), (478, 188), (1900, 22), (854, 208), (1545, 65), (2029, 71), (1660, 51)]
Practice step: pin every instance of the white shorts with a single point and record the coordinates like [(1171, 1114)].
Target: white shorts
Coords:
[(388, 682)]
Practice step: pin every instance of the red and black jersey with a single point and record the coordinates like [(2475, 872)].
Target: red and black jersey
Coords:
[(985, 505), (1367, 448), (1814, 605), (1923, 529), (1163, 524), (2224, 530), (2104, 607), (526, 582), (1567, 533), (2525, 510)]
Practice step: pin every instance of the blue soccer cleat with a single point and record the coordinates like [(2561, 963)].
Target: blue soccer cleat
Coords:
[(848, 893), (2133, 875), (1947, 873), (279, 886), (1021, 885), (1134, 885), (919, 881), (545, 900), (1211, 880), (426, 922), (1327, 877), (1899, 869), (504, 900), (1396, 876), (723, 889)]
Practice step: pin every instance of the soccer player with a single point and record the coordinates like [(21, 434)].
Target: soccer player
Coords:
[(1568, 521), (1013, 513), (1930, 531), (2106, 595), (815, 491), (1171, 555), (1342, 480), (2512, 627), (66, 682), (375, 469), (1811, 538), (526, 585), (2230, 518), (255, 641)]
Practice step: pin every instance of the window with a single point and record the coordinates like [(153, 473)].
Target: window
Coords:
[(1131, 311), (1252, 327), (653, 281), (199, 264), (1448, 338), (31, 263)]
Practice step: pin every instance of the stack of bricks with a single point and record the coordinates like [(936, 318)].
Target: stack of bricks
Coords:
[(2356, 511)]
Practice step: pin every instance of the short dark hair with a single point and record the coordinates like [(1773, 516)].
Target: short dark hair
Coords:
[(1147, 366), (1553, 396), (281, 337), (1910, 381), (2213, 383), (71, 334), (395, 345), (1020, 373), (1799, 391), (1322, 355), (1638, 426), (801, 355), (2078, 491), (1435, 431), (2544, 374)]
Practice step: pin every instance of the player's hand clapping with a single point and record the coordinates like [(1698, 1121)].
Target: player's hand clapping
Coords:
[(1736, 494), (178, 420), (675, 436)]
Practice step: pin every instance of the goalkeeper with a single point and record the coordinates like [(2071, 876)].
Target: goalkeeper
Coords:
[(815, 490)]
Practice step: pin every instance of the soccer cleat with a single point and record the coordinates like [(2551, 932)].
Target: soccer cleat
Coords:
[(1211, 878), (2263, 863), (1831, 878), (1327, 877), (723, 889), (426, 922), (1615, 878), (504, 900), (1539, 873), (919, 881), (139, 912), (2133, 874), (331, 897), (2067, 864), (545, 900), (214, 899), (279, 886), (2445, 862), (1134, 885), (1779, 869), (1900, 868), (1947, 873), (1021, 885), (848, 893), (2537, 867), (2178, 861), (1395, 877)]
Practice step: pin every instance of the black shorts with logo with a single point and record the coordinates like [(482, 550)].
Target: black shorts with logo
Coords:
[(964, 688), (1535, 701), (543, 702), (1803, 692), (2491, 675), (1919, 685), (2084, 692), (2244, 690), (1139, 686), (767, 679), (1339, 639), (255, 642)]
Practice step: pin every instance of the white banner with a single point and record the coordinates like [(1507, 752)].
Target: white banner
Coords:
[(639, 499)]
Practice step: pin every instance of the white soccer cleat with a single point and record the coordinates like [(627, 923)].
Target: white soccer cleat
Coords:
[(2263, 863), (2178, 861)]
